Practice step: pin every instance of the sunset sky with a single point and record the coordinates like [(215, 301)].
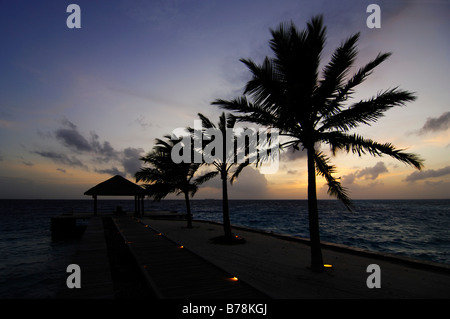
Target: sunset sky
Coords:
[(78, 106)]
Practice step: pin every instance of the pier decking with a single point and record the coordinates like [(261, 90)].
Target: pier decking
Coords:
[(175, 272), (92, 257), (170, 270)]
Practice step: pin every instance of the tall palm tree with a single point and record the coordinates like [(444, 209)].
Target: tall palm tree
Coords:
[(286, 92), (164, 177), (223, 163)]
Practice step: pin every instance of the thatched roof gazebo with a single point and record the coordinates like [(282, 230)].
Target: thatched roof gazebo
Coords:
[(119, 186)]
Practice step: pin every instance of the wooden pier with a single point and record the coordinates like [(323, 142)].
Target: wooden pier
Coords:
[(170, 270), (175, 272), (92, 257), (69, 225)]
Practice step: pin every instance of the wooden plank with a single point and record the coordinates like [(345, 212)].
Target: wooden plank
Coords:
[(176, 272), (92, 257)]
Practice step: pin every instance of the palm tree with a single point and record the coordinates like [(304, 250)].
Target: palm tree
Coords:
[(285, 92), (164, 177), (224, 163)]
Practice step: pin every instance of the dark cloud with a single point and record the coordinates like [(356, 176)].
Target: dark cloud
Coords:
[(421, 175), (73, 139), (348, 179), (292, 155), (372, 172), (101, 152), (440, 123), (131, 160), (110, 171), (61, 158), (367, 173)]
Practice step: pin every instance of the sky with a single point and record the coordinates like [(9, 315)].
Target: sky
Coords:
[(80, 105)]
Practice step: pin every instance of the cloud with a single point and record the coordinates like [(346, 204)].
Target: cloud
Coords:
[(372, 172), (430, 173), (104, 150), (440, 123), (131, 159), (110, 171), (292, 155), (73, 139), (142, 123), (367, 173), (61, 158), (100, 152)]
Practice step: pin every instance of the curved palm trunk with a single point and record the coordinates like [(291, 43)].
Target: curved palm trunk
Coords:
[(226, 211), (313, 214), (188, 210)]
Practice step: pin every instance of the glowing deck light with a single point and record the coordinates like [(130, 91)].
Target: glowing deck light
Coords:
[(234, 279), (159, 234), (181, 246), (328, 266)]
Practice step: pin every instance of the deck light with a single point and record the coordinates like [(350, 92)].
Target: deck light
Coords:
[(234, 279), (328, 266)]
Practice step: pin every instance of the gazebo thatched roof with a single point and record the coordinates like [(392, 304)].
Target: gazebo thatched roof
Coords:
[(116, 186)]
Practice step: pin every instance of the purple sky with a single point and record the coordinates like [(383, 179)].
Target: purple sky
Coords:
[(80, 105)]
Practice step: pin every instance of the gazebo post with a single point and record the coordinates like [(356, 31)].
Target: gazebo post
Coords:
[(95, 204), (136, 204), (142, 205)]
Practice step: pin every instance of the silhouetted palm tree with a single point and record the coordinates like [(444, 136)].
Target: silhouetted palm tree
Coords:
[(164, 177), (286, 93), (224, 163)]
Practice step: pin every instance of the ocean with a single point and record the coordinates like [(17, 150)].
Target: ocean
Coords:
[(32, 265)]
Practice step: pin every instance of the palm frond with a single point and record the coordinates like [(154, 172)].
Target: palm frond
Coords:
[(365, 112), (266, 87), (206, 123), (359, 145), (238, 171), (348, 89), (335, 72), (205, 177), (334, 186)]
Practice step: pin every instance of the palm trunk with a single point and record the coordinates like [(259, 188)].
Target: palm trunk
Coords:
[(188, 210), (226, 212), (314, 233)]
